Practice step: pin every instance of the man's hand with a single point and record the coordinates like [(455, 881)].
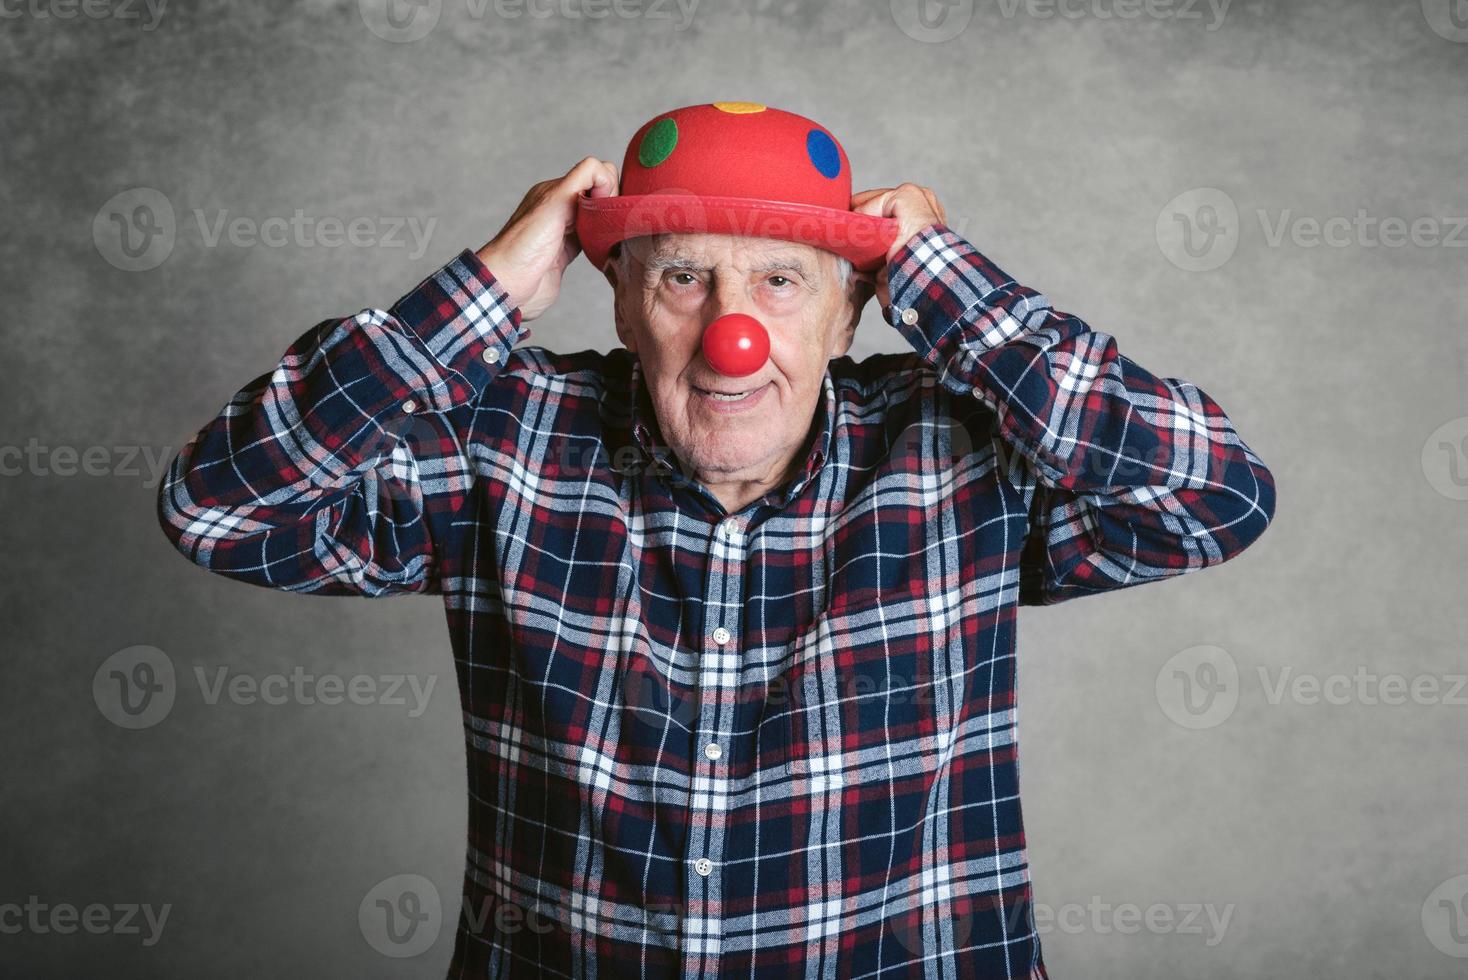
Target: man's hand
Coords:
[(534, 247), (914, 208)]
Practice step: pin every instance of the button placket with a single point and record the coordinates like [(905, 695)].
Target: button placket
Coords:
[(718, 682)]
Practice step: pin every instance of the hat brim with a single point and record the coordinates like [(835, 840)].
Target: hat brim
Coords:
[(601, 222)]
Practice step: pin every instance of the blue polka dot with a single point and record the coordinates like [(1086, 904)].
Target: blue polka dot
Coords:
[(823, 153)]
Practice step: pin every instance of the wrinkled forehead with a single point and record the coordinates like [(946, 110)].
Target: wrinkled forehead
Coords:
[(741, 253)]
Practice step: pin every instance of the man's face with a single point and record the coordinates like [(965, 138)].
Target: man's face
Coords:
[(676, 285)]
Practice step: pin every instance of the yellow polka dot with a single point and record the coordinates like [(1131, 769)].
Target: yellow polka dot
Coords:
[(739, 107)]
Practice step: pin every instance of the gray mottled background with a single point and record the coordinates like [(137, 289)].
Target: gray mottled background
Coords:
[(1075, 145)]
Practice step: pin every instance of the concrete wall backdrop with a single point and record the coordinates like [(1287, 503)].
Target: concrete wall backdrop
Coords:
[(1264, 198)]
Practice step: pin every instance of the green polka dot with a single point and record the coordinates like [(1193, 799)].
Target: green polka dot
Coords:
[(657, 143)]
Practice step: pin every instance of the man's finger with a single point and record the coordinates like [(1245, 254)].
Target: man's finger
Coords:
[(593, 177), (876, 206), (606, 181), (934, 204), (871, 202)]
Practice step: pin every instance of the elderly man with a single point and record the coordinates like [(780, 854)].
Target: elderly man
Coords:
[(735, 645)]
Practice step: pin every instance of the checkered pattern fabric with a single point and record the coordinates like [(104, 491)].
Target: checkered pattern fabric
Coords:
[(774, 743)]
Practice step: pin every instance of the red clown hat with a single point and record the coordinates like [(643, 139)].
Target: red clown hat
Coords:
[(735, 168)]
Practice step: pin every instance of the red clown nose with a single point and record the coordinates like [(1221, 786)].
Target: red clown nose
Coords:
[(736, 345)]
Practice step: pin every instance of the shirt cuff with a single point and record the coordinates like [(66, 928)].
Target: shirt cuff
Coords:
[(464, 317), (938, 282)]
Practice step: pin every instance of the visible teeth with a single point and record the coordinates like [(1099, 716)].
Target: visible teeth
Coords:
[(727, 398)]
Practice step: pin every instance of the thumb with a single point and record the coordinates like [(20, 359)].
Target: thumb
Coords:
[(872, 202)]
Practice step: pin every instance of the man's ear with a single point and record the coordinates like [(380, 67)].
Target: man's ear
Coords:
[(863, 288), (859, 289), (624, 329)]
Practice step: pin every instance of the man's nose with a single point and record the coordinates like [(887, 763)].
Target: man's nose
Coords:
[(736, 344)]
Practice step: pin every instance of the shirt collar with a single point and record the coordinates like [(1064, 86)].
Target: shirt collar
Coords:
[(815, 450)]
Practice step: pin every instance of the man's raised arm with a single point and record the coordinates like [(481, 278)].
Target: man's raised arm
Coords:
[(1133, 478), (339, 471), (333, 472)]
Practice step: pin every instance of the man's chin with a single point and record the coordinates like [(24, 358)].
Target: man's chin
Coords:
[(729, 462)]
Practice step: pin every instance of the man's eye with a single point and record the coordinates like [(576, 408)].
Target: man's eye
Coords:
[(690, 278), (782, 279)]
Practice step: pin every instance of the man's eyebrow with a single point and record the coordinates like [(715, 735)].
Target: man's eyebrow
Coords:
[(660, 262), (790, 262)]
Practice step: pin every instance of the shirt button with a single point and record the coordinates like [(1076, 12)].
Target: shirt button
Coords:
[(712, 751), (491, 355), (721, 636), (978, 392), (909, 316), (703, 866), (410, 406)]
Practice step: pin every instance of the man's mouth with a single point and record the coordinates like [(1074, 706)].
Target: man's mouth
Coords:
[(724, 395)]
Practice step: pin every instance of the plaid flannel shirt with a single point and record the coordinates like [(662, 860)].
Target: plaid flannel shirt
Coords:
[(774, 743)]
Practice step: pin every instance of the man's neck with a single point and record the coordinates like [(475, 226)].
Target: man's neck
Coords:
[(736, 492)]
